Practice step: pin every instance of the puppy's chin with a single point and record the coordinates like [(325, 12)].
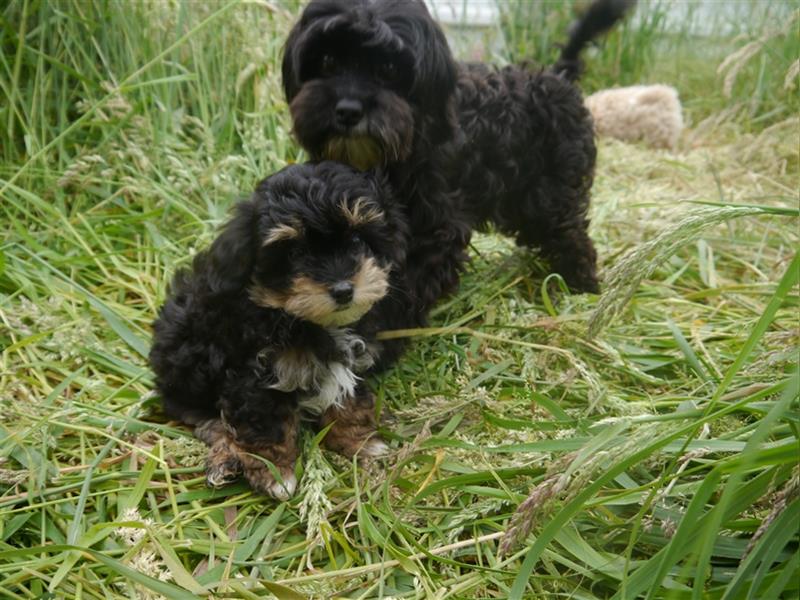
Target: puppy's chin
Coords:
[(361, 151), (347, 316)]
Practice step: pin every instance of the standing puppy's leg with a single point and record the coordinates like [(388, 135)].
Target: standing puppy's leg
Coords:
[(568, 250), (572, 254), (552, 218)]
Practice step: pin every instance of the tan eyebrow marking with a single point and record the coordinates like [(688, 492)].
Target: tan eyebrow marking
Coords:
[(282, 232), (361, 213)]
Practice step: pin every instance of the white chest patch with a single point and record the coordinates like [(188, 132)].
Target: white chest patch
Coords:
[(319, 384), (338, 384)]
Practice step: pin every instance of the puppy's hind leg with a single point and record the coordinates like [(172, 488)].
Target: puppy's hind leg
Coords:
[(353, 430), (552, 218)]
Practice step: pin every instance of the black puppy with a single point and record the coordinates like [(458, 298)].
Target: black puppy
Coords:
[(373, 82), (276, 318)]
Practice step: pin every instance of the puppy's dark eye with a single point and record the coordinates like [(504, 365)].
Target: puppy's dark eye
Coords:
[(328, 65), (388, 71), (356, 240)]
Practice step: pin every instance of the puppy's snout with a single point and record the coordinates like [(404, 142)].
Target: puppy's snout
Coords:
[(349, 111), (342, 292)]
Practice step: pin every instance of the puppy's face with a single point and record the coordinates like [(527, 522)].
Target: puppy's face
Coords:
[(364, 78), (326, 251)]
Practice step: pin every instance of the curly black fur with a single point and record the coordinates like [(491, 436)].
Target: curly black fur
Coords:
[(373, 83), (296, 282)]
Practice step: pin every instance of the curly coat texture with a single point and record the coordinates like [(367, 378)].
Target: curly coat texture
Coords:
[(373, 83), (650, 114), (278, 317)]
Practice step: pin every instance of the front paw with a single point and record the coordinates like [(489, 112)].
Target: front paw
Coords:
[(262, 478), (358, 347), (353, 431), (355, 351), (223, 465), (373, 448)]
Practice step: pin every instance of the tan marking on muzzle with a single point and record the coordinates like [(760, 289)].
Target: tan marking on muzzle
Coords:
[(371, 283), (311, 300)]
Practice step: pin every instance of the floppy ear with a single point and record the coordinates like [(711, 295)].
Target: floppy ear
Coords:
[(435, 78), (300, 36), (229, 262), (396, 219), (290, 66)]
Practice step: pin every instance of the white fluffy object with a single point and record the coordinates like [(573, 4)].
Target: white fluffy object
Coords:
[(640, 113)]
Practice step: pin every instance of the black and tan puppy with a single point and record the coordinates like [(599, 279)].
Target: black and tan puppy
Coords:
[(274, 322), (373, 82)]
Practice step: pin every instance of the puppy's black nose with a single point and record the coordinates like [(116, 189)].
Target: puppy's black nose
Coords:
[(342, 292), (349, 112)]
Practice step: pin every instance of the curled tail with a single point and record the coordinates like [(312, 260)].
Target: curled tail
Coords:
[(598, 18)]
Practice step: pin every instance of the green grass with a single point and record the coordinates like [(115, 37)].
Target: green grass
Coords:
[(639, 444)]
